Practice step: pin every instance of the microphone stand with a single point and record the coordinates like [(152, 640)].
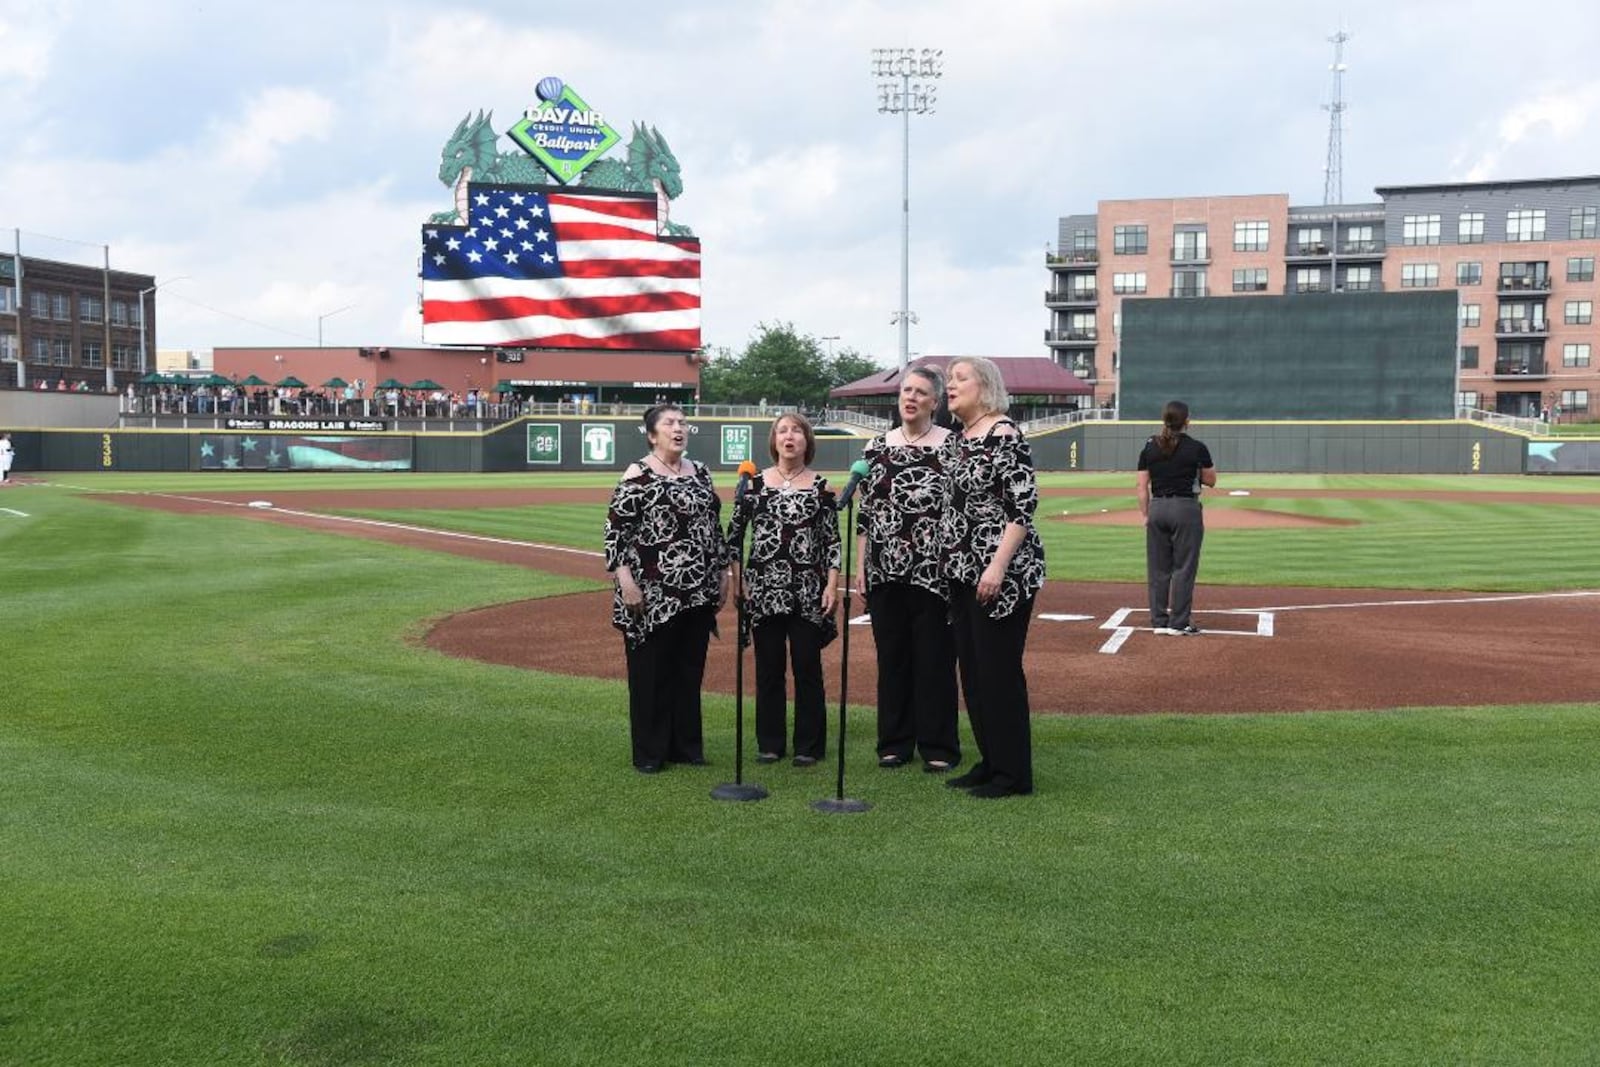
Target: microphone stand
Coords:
[(739, 789), (839, 804)]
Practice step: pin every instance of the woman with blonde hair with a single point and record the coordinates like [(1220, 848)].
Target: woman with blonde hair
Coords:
[(991, 555)]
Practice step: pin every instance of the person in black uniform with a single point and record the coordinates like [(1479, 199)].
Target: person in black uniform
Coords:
[(1172, 468)]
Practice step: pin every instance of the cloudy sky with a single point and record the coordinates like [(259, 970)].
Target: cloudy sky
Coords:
[(281, 157)]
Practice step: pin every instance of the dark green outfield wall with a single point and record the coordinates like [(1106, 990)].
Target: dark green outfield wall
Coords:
[(577, 444)]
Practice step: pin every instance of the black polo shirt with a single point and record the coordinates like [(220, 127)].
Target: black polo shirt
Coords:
[(1179, 473)]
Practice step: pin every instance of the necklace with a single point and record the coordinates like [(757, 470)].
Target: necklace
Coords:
[(788, 479), (972, 433), (670, 472), (909, 441)]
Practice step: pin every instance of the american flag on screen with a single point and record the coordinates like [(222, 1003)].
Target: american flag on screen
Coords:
[(560, 270)]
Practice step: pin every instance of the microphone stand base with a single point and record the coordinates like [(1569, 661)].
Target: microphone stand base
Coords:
[(840, 805), (739, 791)]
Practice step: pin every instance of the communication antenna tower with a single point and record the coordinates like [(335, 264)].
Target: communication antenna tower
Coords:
[(1333, 176)]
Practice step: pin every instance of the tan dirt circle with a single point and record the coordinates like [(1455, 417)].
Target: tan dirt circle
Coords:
[(1329, 649)]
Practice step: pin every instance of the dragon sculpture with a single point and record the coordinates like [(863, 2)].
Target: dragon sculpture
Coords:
[(471, 155)]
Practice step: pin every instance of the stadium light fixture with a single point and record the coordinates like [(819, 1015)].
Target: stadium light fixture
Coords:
[(904, 97)]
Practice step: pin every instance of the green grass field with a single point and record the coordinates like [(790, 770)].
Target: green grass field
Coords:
[(246, 818)]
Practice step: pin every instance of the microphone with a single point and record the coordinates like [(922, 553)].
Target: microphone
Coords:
[(858, 471), (747, 470)]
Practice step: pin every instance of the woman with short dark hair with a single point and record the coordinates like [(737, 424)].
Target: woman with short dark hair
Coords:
[(1173, 467), (665, 548)]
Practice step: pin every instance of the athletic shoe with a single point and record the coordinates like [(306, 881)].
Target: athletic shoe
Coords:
[(1165, 631), (1186, 631)]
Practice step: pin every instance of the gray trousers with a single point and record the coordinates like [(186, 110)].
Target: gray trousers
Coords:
[(1172, 536)]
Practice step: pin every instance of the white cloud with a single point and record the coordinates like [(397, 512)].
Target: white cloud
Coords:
[(27, 43), (273, 119)]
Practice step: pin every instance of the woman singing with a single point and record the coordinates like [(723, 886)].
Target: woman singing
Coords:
[(789, 586), (1172, 468), (901, 503), (991, 555), (664, 545)]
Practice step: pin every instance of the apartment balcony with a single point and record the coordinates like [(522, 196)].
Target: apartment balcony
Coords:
[(1524, 283), (1521, 369), (1069, 299), (1083, 259), (1521, 328), (1307, 253), (1374, 286), (1295, 288), (1072, 338), (1185, 291), (1362, 250), (1196, 257)]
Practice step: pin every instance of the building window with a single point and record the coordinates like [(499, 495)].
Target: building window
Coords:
[(1190, 245), (61, 352), (1515, 275), (1130, 282), (90, 309), (1419, 275), (1359, 239), (1579, 312), (1469, 273), (1420, 230), (1580, 269), (1130, 240), (1250, 280), (1116, 330), (90, 354), (39, 305), (119, 313), (1471, 314), (1469, 357), (1083, 241), (1308, 280), (1575, 355), (8, 300), (1358, 279), (1575, 400), (8, 348), (1469, 228), (1467, 400), (1521, 318), (1585, 223), (40, 351), (1188, 283), (60, 307), (1250, 236), (1308, 242), (1082, 287), (1525, 225), (124, 357), (1080, 326)]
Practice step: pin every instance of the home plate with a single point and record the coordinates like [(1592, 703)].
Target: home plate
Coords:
[(1239, 492), (260, 503), (1054, 617)]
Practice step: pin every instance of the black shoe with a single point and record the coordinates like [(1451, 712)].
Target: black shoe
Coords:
[(970, 780), (648, 768), (767, 757), (805, 761), (939, 766), (994, 791), (1186, 631), (891, 762)]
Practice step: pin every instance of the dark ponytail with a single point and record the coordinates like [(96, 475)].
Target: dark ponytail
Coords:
[(1174, 418)]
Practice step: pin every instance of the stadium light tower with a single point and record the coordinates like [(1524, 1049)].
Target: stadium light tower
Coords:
[(901, 98)]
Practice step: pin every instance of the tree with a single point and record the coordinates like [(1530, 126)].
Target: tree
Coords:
[(850, 366), (779, 365)]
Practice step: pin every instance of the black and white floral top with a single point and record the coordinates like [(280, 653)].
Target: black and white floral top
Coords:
[(901, 501), (794, 543), (992, 486), (668, 532)]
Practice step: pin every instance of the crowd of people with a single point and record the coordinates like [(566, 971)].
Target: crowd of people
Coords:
[(951, 563)]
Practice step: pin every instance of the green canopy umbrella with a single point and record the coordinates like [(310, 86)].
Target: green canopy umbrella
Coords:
[(215, 379), (155, 377), (252, 380), (390, 383), (335, 383), (424, 383), (504, 387), (291, 382)]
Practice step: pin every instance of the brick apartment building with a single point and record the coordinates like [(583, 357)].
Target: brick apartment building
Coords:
[(72, 323), (1521, 254)]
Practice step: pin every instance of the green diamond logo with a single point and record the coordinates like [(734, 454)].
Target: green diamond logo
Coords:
[(564, 133)]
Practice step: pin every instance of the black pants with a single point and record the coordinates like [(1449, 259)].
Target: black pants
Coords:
[(995, 687), (803, 642), (1172, 536), (664, 677), (916, 673)]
